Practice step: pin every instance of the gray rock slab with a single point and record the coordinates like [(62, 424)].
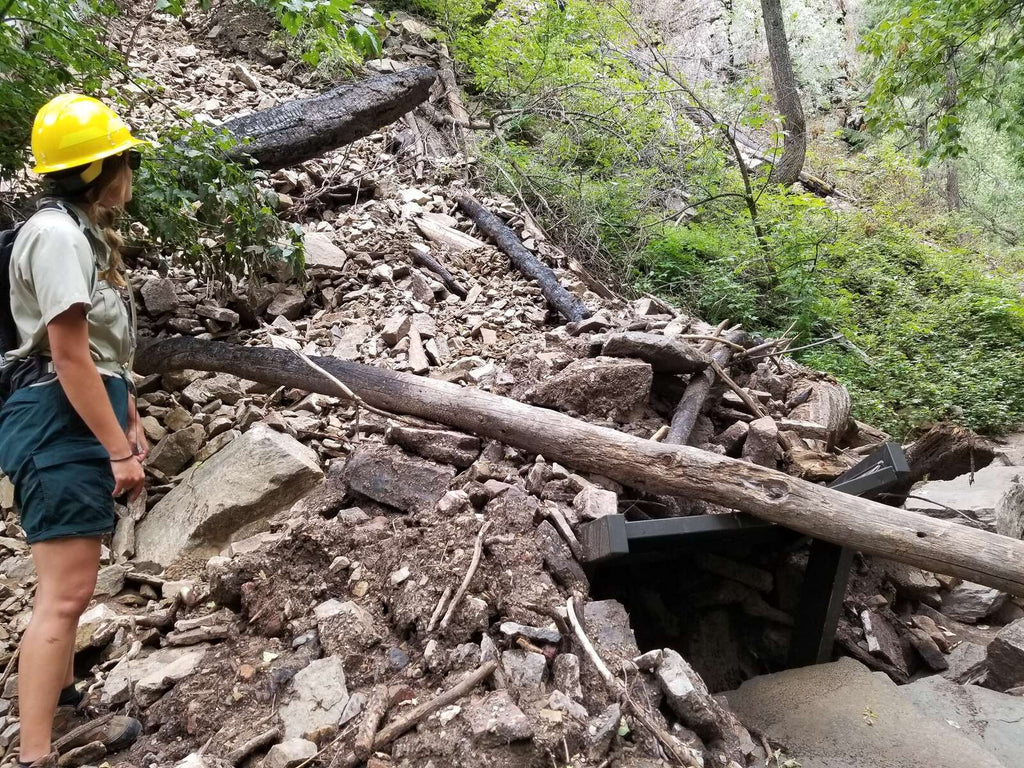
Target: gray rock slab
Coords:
[(322, 252), (495, 720), (665, 354), (319, 698), (256, 476), (602, 386), (821, 715), (969, 602), (147, 677), (387, 474), (994, 721), (978, 500)]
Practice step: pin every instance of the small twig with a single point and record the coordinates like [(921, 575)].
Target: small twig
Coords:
[(375, 710), (439, 609), (946, 507), (790, 350), (474, 564), (752, 405), (254, 744), (716, 339), (348, 394), (418, 714), (12, 662)]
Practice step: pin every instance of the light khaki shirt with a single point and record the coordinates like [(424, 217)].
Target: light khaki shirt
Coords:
[(54, 268)]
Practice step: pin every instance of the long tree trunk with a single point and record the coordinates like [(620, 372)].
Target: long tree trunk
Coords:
[(300, 130), (787, 97), (936, 545)]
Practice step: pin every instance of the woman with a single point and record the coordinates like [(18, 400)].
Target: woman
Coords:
[(70, 439)]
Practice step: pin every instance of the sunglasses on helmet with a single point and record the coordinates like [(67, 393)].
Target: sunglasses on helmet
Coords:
[(134, 159)]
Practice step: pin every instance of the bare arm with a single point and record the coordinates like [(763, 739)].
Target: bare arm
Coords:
[(69, 346)]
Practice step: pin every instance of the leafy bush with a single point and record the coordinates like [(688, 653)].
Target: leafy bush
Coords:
[(216, 215)]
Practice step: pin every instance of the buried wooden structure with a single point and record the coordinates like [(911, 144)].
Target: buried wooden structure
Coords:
[(300, 130), (830, 515)]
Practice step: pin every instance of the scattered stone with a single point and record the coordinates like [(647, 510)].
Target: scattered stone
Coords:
[(608, 626), (559, 560), (159, 296), (927, 648), (512, 630), (396, 328), (601, 731), (495, 720), (319, 698), (289, 304), (110, 580), (175, 451), (387, 474), (882, 640), (731, 439), (966, 663), (761, 445), (222, 386), (594, 502), (290, 753), (524, 669), (1005, 658), (322, 252), (257, 475), (146, 678), (914, 584), (969, 602), (90, 621)]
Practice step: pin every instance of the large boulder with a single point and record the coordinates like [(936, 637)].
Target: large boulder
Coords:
[(1005, 658), (256, 476), (969, 602), (975, 496), (601, 386), (665, 354), (387, 474)]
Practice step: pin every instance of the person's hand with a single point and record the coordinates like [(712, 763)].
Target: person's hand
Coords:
[(137, 440), (128, 478)]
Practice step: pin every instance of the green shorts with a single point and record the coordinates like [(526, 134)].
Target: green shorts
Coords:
[(63, 484)]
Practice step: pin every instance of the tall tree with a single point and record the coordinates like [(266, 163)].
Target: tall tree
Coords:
[(787, 96)]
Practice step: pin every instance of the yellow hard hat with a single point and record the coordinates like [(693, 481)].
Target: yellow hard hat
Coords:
[(72, 130)]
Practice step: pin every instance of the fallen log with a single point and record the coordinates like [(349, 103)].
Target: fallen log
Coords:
[(303, 129), (424, 259), (689, 407), (935, 545), (571, 308)]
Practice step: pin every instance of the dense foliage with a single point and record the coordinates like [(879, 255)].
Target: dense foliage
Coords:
[(595, 134)]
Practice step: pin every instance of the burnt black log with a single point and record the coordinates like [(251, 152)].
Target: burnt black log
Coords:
[(570, 307), (300, 130)]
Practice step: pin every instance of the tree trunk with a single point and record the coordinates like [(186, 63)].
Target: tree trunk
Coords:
[(794, 146), (300, 130), (935, 545)]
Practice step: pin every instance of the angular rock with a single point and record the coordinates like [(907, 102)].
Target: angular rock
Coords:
[(664, 354), (1010, 511), (1005, 657), (110, 580), (977, 500), (346, 628), (593, 502), (223, 387), (602, 386), (220, 314), (969, 602), (318, 699), (928, 650), (147, 677), (495, 720), (967, 663), (396, 328), (882, 640), (558, 559), (387, 474), (352, 337), (322, 252), (290, 753), (914, 584), (90, 621), (525, 669), (601, 731), (731, 439), (289, 304), (443, 446), (565, 671), (257, 475), (159, 296), (175, 451), (762, 443), (559, 702), (607, 625), (512, 630)]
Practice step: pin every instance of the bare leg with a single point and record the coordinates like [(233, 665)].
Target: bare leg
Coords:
[(66, 570)]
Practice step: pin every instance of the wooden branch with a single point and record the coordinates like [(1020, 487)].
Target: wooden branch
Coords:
[(571, 308), (418, 714), (255, 744), (478, 551), (934, 545), (300, 130), (439, 609), (374, 712), (685, 416), (425, 259)]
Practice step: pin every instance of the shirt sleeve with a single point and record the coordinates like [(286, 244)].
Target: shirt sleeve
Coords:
[(58, 265)]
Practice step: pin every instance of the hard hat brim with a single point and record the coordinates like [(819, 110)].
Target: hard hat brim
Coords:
[(124, 146)]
